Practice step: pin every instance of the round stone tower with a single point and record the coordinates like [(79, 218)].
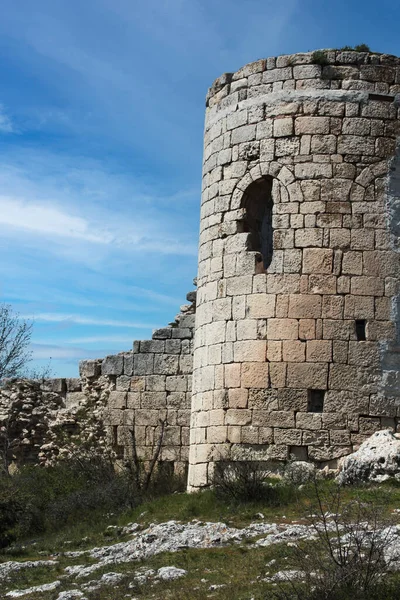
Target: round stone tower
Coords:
[(297, 324)]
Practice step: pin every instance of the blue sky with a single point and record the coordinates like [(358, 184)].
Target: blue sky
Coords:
[(101, 120)]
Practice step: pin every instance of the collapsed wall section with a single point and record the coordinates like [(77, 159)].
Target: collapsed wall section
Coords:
[(117, 401), (296, 350)]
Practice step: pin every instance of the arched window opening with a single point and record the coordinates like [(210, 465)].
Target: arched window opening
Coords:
[(257, 201)]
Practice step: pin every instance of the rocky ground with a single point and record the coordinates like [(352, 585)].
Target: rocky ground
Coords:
[(125, 569)]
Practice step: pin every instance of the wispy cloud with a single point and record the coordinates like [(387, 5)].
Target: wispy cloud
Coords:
[(46, 220), (6, 125), (83, 320), (54, 352)]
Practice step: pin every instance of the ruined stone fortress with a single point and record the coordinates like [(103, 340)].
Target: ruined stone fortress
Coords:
[(294, 339)]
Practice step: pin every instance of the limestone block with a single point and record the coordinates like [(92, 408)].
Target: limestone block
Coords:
[(319, 351), (138, 384), (254, 375), (222, 309), (176, 383), (322, 284), (249, 435), (308, 420), (257, 66), (305, 238), (332, 307), (265, 435), (306, 329), (339, 238), (315, 437), (274, 351), (117, 400), (186, 364), (166, 364), (369, 424), (89, 368), (143, 364), (123, 383), (215, 354), (334, 420), (197, 476), (364, 354), (291, 437), (133, 400), (215, 332), (236, 119), (162, 334), (232, 375), (362, 239), (260, 306), (277, 375), (293, 351), (74, 384), (237, 398), (356, 144), (303, 306), (245, 133), (152, 346), (367, 286), (327, 453), (246, 329), (113, 365), (116, 417), (284, 419), (379, 405), (267, 149), (313, 171), (283, 127), (307, 71), (359, 307), (312, 125), (173, 346), (282, 329), (75, 399), (311, 376), (356, 126), (179, 400), (277, 75), (345, 377), (317, 260), (236, 286), (250, 351), (263, 398), (292, 399), (287, 146), (240, 416)]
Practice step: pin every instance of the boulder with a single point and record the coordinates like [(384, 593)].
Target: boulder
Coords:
[(377, 459)]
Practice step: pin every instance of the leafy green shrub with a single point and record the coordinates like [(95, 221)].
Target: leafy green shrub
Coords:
[(248, 481), (362, 48), (319, 58), (79, 489)]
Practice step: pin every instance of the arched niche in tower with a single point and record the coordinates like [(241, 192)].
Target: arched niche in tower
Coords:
[(257, 202)]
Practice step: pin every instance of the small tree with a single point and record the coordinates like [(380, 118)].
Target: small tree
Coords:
[(15, 337)]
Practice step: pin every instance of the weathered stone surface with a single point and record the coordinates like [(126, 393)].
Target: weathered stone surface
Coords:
[(377, 459)]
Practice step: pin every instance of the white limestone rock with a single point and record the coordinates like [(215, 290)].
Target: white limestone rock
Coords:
[(170, 573), (377, 459)]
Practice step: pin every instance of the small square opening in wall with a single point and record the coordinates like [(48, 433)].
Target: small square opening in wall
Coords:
[(316, 401), (360, 330)]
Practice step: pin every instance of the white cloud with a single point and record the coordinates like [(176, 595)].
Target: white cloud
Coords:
[(113, 339), (6, 125), (46, 220), (82, 320), (50, 351)]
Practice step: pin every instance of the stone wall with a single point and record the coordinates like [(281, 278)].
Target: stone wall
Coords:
[(132, 391), (298, 355)]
